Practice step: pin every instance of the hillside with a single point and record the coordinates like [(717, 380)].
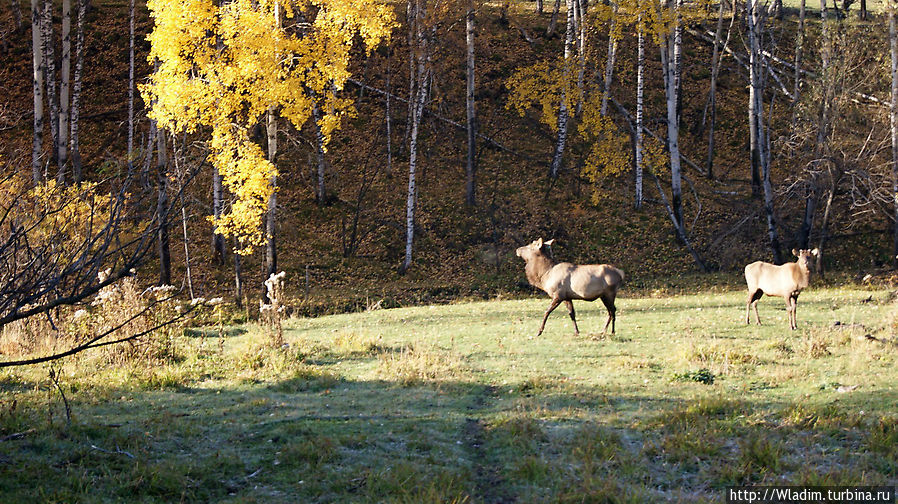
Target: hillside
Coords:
[(461, 251)]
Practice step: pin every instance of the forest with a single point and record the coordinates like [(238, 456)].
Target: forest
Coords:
[(193, 187)]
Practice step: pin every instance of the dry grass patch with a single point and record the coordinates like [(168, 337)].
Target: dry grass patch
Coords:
[(417, 363)]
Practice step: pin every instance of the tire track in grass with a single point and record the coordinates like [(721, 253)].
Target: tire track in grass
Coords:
[(490, 486)]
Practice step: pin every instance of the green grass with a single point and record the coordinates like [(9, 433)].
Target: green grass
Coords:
[(460, 403)]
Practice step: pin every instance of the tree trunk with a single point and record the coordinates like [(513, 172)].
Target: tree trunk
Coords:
[(557, 157), (678, 57), (640, 85), (50, 76), (417, 111), (668, 51), (271, 256), (218, 241), (609, 61), (799, 48), (162, 211), (131, 88), (412, 21), (893, 116), (539, 7), (64, 76), (754, 145), (320, 188), (37, 53), (470, 166), (17, 15), (862, 13), (712, 93), (389, 120), (826, 73), (238, 278), (757, 69), (76, 93), (553, 21)]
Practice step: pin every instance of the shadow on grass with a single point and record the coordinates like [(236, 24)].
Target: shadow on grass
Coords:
[(315, 436)]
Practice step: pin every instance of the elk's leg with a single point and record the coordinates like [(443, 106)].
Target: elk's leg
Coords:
[(608, 300), (793, 312), (570, 310), (753, 298), (555, 303)]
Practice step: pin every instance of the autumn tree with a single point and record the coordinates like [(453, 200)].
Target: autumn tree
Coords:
[(223, 67)]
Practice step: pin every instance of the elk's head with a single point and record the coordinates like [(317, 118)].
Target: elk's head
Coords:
[(804, 257), (537, 248)]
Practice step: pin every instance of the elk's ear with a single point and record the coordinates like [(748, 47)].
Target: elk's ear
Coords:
[(550, 242), (795, 252), (815, 252), (538, 243)]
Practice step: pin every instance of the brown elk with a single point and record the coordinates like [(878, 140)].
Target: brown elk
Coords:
[(786, 281), (566, 281)]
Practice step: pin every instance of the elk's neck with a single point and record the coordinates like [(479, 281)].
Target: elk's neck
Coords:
[(536, 269), (804, 276)]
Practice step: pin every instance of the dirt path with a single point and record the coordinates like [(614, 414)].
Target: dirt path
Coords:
[(490, 486)]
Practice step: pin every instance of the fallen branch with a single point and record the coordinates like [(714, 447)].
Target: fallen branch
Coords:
[(118, 451), (17, 435)]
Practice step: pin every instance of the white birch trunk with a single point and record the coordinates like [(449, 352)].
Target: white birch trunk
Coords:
[(640, 85), (417, 109), (609, 61), (131, 87), (320, 188), (557, 157), (76, 93), (755, 30), (37, 53), (64, 77), (470, 167), (17, 14), (271, 257), (893, 117), (50, 76), (668, 50)]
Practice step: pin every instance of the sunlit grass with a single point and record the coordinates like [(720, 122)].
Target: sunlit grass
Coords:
[(463, 403)]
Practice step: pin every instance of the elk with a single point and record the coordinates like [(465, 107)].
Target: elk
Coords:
[(566, 281), (786, 281)]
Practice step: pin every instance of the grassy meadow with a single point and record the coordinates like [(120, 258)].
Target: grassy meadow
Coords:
[(460, 403)]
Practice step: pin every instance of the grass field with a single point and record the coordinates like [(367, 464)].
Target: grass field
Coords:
[(459, 403)]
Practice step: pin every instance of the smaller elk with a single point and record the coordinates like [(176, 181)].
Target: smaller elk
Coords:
[(566, 282), (786, 281)]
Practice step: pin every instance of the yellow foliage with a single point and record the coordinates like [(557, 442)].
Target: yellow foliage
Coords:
[(63, 218), (609, 147), (543, 84), (221, 66)]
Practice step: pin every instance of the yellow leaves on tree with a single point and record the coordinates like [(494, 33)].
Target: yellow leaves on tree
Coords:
[(222, 65), (609, 147), (543, 84), (63, 220)]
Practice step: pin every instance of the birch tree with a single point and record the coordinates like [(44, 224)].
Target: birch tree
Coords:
[(64, 90), (471, 115), (893, 120), (756, 116), (712, 92), (50, 76), (76, 93), (222, 67), (558, 155), (37, 58), (421, 76)]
